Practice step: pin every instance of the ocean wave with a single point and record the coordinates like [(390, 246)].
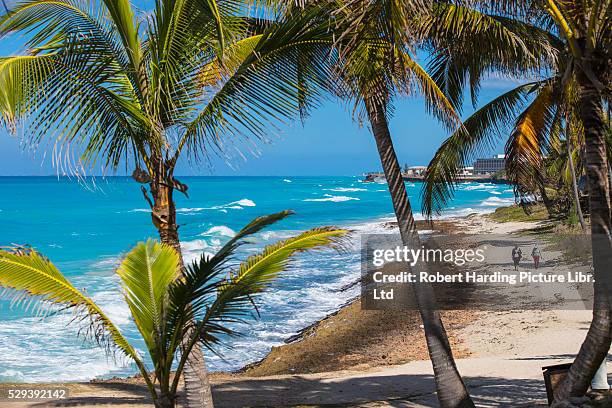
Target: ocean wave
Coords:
[(287, 181), (332, 198), (194, 245), (220, 230), (60, 354), (135, 210), (462, 212), (346, 189), (245, 202), (234, 205), (497, 202), (12, 376), (284, 234), (479, 186), (188, 210), (107, 263)]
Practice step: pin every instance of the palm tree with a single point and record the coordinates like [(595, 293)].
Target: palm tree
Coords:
[(174, 308), (376, 65), (147, 90), (586, 27), (584, 49), (564, 161)]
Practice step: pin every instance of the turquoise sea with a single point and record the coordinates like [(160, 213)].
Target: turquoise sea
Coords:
[(85, 226)]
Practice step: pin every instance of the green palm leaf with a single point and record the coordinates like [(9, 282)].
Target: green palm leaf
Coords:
[(146, 273), (467, 43), (258, 270), (27, 271), (526, 147), (478, 134), (217, 303)]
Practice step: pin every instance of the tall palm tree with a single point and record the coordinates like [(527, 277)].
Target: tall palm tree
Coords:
[(168, 303), (146, 90), (376, 65), (587, 28), (585, 49), (377, 51)]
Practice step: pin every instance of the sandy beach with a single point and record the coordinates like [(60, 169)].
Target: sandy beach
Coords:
[(379, 358)]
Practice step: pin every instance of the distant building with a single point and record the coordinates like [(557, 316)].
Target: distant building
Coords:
[(466, 171), (416, 170), (489, 166)]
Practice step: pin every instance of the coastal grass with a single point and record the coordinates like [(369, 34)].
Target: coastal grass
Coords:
[(515, 213)]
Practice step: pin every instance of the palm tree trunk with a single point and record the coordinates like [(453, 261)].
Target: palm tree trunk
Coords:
[(452, 392), (164, 401), (575, 184), (597, 342), (547, 203), (197, 384)]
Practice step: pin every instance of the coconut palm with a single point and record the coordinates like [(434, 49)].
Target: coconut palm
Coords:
[(587, 29), (377, 48), (200, 303), (145, 90), (377, 64), (580, 32)]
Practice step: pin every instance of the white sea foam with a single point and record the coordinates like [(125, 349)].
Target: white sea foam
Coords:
[(148, 210), (190, 210), (245, 202), (332, 198), (479, 186), (56, 352), (462, 212), (497, 202), (287, 181), (220, 230), (346, 189), (194, 245), (107, 263), (234, 205)]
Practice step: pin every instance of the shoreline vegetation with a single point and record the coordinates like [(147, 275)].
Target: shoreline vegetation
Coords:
[(352, 346)]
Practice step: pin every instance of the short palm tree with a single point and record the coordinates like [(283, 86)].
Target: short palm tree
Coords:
[(174, 308)]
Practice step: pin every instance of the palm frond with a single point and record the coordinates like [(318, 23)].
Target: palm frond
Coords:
[(267, 89), (258, 270), (467, 43), (526, 146), (199, 284), (29, 272), (478, 134), (436, 101), (146, 273), (235, 294)]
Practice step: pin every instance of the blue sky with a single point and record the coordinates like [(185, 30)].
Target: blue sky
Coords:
[(329, 142)]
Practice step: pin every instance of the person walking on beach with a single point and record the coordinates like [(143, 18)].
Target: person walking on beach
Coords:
[(517, 254), (536, 254)]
